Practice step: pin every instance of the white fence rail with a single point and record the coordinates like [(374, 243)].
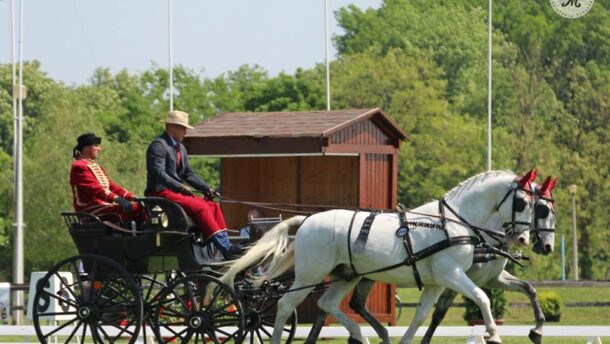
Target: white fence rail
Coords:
[(473, 334)]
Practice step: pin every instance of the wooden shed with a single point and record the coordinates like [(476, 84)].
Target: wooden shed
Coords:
[(343, 158)]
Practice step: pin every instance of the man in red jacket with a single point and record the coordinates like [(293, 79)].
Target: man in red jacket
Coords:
[(93, 191)]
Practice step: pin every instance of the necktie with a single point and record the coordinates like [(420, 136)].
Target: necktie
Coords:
[(178, 156)]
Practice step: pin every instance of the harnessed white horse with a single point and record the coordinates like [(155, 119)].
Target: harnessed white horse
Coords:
[(321, 248), (492, 274)]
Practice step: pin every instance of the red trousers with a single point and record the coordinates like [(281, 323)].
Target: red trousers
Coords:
[(114, 213), (206, 214)]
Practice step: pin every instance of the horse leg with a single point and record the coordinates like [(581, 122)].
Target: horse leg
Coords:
[(330, 301), (506, 281), (426, 301), (287, 303), (316, 327), (460, 282), (358, 304), (442, 306)]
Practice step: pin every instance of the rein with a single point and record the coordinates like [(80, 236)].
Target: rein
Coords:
[(274, 206)]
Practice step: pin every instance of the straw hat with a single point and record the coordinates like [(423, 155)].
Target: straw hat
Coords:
[(179, 118)]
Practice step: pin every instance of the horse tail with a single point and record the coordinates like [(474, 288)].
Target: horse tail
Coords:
[(272, 245)]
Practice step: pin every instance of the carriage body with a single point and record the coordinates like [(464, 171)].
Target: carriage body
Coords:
[(130, 278), (167, 241)]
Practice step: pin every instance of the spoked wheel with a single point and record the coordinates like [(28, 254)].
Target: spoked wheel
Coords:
[(199, 309), (92, 298), (151, 287), (260, 319)]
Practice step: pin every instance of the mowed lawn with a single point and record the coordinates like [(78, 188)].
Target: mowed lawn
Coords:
[(525, 316), (517, 316), (514, 316)]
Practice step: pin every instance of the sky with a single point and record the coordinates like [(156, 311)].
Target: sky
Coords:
[(73, 37)]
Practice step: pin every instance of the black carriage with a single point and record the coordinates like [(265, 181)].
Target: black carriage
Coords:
[(156, 279)]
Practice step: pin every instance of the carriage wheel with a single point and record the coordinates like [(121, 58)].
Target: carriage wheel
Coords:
[(199, 309), (260, 320), (151, 287), (92, 298)]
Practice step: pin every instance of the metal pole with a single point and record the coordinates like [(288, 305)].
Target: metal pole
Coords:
[(563, 257), (489, 60), (574, 238), (15, 118), (171, 68), (15, 135), (326, 53), (18, 240)]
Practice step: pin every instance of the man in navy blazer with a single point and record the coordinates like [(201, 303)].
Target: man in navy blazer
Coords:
[(169, 175)]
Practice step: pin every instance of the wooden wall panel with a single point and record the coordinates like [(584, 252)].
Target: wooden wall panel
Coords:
[(257, 179), (329, 180), (376, 181), (343, 181), (361, 133)]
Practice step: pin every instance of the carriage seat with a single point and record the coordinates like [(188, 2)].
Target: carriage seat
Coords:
[(161, 214)]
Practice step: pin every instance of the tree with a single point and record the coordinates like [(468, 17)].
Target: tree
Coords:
[(410, 90)]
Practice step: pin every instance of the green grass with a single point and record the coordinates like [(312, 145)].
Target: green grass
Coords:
[(525, 316), (514, 316), (462, 340)]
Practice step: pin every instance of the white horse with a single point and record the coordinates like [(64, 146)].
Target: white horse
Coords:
[(321, 249), (492, 274)]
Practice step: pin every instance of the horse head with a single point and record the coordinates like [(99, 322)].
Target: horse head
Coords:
[(498, 194), (543, 233), (516, 209)]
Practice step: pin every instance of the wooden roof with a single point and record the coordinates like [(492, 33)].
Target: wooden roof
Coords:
[(301, 132)]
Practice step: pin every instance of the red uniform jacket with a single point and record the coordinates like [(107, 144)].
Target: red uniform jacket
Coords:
[(91, 187)]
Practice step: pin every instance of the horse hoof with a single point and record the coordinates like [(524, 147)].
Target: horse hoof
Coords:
[(352, 340), (489, 340), (535, 336)]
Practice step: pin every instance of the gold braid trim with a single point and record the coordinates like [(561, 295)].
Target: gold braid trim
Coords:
[(99, 174)]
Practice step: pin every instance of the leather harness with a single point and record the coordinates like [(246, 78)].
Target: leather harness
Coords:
[(412, 257)]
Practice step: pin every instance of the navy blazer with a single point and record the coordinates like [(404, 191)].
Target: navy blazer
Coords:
[(161, 171)]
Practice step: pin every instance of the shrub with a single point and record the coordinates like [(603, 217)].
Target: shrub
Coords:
[(498, 305), (551, 304)]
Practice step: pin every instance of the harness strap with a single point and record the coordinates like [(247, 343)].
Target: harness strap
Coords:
[(459, 240), (425, 253), (477, 230), (349, 243), (406, 242), (363, 236), (500, 252), (441, 211)]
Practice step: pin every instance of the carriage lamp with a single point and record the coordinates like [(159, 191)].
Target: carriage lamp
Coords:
[(159, 217)]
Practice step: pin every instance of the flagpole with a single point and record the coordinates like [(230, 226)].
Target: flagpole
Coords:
[(14, 84), (489, 95), (171, 64), (18, 240), (326, 53)]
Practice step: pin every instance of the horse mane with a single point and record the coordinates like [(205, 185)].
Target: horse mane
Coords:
[(476, 178)]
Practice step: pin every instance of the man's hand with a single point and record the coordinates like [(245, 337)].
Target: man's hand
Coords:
[(125, 204), (186, 190), (211, 194)]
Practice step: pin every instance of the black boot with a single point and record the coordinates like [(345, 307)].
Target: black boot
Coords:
[(223, 244)]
